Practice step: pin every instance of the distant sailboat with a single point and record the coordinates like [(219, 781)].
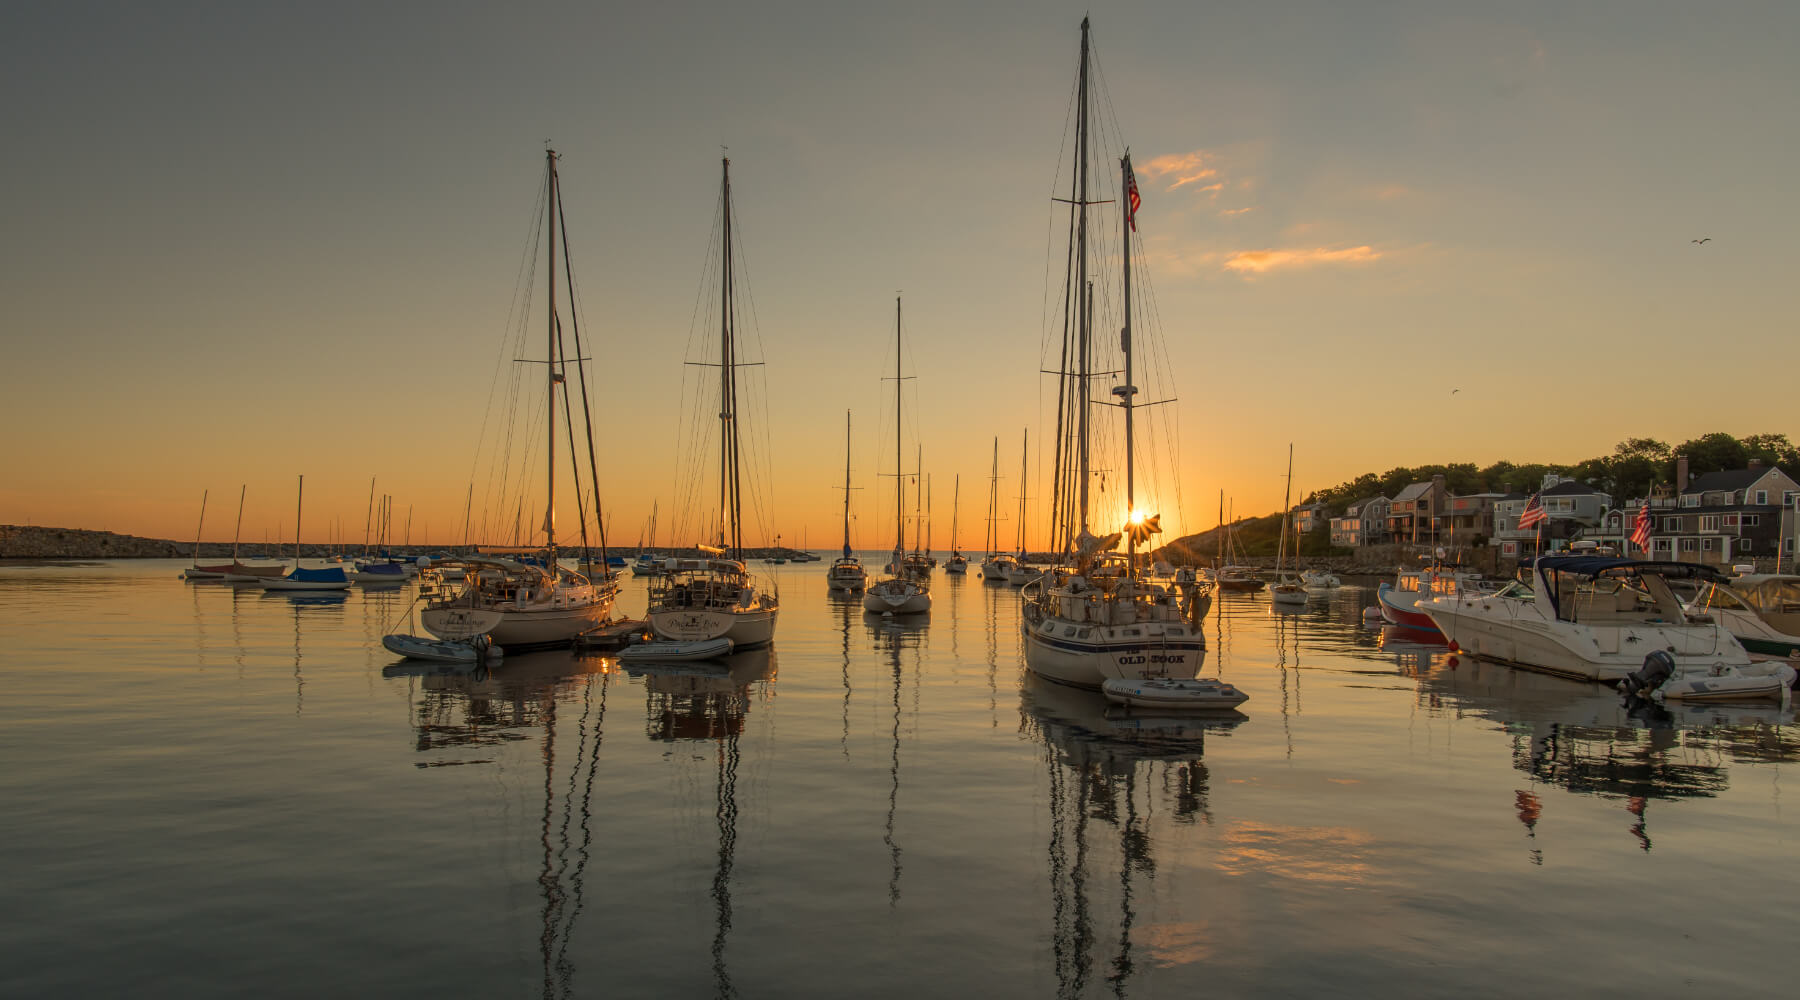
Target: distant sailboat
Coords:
[(958, 563), (329, 578), (846, 572), (1286, 589), (901, 592), (998, 565)]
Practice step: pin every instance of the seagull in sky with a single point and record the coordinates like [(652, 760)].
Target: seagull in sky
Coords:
[(1707, 239), (1454, 391)]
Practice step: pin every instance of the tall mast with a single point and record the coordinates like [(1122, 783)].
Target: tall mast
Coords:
[(918, 499), (201, 526), (729, 512), (1024, 455), (369, 515), (993, 518), (299, 497), (1287, 500), (1086, 292), (846, 484), (550, 374), (1128, 390), (238, 531), (899, 477), (955, 508)]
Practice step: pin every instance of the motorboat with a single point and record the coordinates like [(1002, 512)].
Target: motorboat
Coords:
[(1399, 600), (1761, 611), (668, 651), (1193, 693), (476, 649), (1597, 618)]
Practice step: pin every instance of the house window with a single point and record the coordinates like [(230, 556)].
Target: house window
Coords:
[(1787, 544), (1744, 545), (1690, 545), (1762, 498), (1730, 521), (1707, 544), (1709, 522), (1787, 498), (1690, 500), (1751, 520), (1671, 524), (1663, 545)]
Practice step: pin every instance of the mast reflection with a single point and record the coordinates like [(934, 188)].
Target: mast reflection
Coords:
[(708, 702), (892, 634), (1122, 770)]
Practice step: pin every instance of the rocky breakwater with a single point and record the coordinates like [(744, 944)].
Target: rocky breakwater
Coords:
[(34, 542)]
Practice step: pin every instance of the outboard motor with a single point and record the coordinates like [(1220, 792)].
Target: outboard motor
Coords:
[(1658, 667)]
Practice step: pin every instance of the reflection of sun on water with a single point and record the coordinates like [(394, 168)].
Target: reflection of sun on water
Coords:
[(1312, 854), (1177, 944)]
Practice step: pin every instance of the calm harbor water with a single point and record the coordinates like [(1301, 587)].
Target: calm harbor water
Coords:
[(216, 792)]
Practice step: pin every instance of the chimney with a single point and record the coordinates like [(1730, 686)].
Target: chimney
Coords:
[(1756, 463), (1681, 474)]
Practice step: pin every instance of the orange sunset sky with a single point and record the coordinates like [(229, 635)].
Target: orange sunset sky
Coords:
[(246, 244)]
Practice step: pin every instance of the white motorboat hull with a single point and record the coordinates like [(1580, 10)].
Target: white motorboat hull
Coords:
[(1511, 631), (1056, 650), (745, 628), (1194, 694)]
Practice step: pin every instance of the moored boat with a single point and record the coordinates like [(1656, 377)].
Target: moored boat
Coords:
[(1760, 610), (673, 651), (1192, 693), (477, 649), (907, 588), (1596, 618)]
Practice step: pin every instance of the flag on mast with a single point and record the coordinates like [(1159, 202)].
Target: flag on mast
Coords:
[(1131, 193)]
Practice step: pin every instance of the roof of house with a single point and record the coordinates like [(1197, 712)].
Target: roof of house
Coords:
[(1729, 479), (1413, 492)]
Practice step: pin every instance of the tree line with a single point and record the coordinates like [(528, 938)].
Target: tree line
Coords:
[(1635, 468)]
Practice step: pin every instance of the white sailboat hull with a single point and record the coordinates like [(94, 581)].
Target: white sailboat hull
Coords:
[(748, 627), (878, 601), (1056, 650), (513, 626)]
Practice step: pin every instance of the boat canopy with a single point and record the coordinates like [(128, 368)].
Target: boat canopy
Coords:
[(1597, 566), (333, 574)]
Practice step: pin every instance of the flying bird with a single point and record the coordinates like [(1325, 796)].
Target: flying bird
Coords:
[(1454, 391), (1707, 239)]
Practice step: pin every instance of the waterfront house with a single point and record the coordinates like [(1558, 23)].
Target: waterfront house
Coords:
[(1413, 515), (1572, 510), (1724, 517), (1363, 523), (1309, 518)]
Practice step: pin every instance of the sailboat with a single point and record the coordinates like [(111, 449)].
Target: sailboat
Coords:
[(718, 598), (238, 572), (329, 578), (523, 596), (1017, 572), (846, 572), (917, 564), (1231, 575), (1286, 590), (901, 592), (1096, 617), (215, 571), (998, 565), (958, 563), (647, 564)]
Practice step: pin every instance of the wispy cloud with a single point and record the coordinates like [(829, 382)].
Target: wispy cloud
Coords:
[(1264, 261), (1183, 168), (1238, 211)]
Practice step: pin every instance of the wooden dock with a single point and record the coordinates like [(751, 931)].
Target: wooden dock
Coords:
[(613, 636)]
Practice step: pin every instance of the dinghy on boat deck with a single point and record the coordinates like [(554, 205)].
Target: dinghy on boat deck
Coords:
[(1173, 692)]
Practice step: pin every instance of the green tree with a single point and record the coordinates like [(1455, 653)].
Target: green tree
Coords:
[(1712, 453)]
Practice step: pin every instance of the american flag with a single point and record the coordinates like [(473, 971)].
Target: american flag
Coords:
[(1131, 192), (1533, 514), (1640, 531)]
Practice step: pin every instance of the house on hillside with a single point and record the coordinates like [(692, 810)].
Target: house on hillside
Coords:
[(1469, 520), (1309, 518), (1572, 510), (1734, 515), (1363, 523), (1413, 515)]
